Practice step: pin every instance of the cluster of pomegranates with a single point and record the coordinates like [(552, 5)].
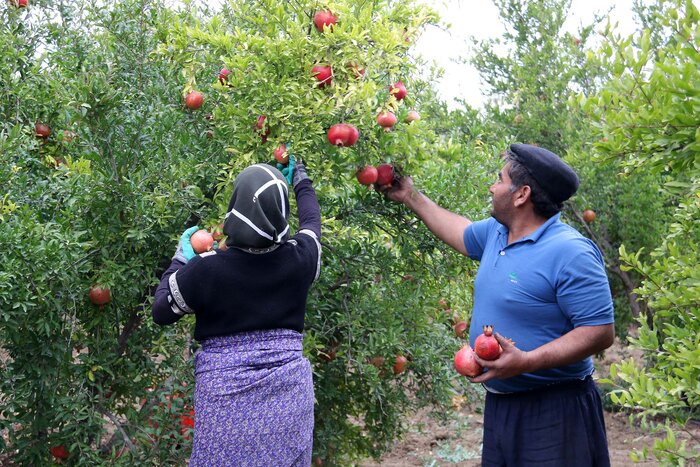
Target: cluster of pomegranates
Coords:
[(340, 134), (382, 175), (485, 346)]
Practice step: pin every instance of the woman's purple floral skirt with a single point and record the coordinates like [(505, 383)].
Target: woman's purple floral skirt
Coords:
[(254, 401)]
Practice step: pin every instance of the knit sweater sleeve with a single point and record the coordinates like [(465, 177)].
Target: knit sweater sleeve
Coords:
[(309, 209), (164, 310)]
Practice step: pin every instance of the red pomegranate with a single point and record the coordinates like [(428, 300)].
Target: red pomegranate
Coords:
[(386, 120), (460, 328), (223, 75), (99, 295), (398, 90), (281, 154), (367, 175), (377, 361), (400, 364), (486, 346), (59, 452), (324, 75), (324, 18), (194, 100), (412, 116), (466, 364), (42, 130), (385, 174), (343, 134), (202, 241), (260, 125)]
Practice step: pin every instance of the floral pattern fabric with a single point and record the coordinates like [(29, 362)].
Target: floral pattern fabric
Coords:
[(254, 401)]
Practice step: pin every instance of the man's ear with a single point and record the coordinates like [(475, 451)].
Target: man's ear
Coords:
[(521, 195)]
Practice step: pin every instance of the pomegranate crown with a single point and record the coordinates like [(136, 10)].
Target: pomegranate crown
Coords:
[(488, 329)]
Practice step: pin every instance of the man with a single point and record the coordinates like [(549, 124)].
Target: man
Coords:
[(543, 285)]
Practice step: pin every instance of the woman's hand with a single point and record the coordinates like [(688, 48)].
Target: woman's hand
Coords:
[(184, 251)]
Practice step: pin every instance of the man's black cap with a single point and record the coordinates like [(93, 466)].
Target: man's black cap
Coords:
[(553, 174)]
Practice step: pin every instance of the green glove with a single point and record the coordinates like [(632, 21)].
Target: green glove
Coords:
[(288, 170), (185, 252)]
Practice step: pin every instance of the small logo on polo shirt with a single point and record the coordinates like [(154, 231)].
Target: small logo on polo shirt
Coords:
[(513, 277)]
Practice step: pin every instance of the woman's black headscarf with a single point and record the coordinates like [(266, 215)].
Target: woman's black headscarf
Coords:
[(259, 208)]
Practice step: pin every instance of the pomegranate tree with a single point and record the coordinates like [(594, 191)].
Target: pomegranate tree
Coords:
[(218, 232), (486, 346), (357, 71)]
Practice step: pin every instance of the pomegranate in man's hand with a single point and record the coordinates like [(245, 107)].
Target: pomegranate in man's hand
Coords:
[(201, 241), (385, 174), (486, 346), (466, 364)]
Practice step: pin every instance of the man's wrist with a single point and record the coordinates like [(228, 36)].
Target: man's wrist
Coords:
[(530, 363), (412, 198)]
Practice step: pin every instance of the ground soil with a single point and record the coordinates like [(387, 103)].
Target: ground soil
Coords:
[(431, 443)]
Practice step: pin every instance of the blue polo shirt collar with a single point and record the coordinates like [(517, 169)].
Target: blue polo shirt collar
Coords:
[(534, 236)]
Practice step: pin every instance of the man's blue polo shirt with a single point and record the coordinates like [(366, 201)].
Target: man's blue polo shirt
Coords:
[(536, 290)]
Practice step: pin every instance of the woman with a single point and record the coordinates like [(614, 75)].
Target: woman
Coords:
[(253, 389)]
